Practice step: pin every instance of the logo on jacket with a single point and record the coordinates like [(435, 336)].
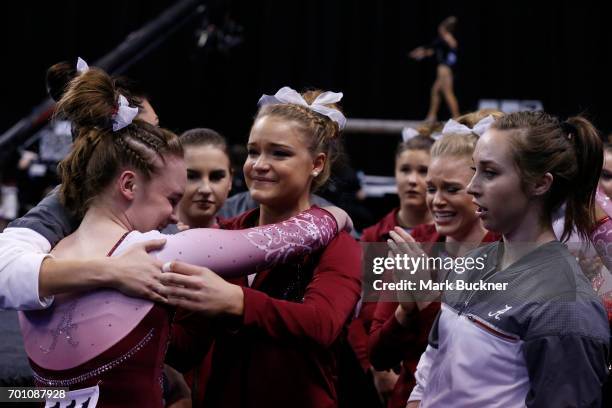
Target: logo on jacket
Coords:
[(500, 312)]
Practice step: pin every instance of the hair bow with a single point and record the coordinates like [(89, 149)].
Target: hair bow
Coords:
[(409, 133), (81, 65), (289, 95), (125, 114), (452, 126)]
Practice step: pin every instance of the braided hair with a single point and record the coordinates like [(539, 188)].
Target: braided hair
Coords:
[(98, 153)]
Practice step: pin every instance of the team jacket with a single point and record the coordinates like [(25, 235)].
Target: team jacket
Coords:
[(540, 342)]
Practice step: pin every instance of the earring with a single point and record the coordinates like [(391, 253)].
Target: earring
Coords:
[(315, 173)]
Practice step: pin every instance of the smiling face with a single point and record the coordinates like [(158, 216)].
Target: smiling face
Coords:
[(279, 167), (208, 184), (451, 206), (410, 172), (496, 185), (155, 200)]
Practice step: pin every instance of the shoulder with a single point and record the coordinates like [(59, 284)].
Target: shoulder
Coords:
[(557, 267), (565, 302), (135, 237), (344, 241), (244, 220), (343, 250), (579, 314)]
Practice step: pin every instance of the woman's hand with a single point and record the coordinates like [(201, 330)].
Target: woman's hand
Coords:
[(342, 218), (136, 273), (419, 53), (201, 290), (403, 244)]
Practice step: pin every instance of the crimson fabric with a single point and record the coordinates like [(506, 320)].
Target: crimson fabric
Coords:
[(360, 326), (282, 353), (135, 382), (390, 343), (379, 232), (197, 377)]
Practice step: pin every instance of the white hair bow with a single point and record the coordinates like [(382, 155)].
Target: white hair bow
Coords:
[(289, 95), (409, 133), (81, 65), (454, 127), (125, 114)]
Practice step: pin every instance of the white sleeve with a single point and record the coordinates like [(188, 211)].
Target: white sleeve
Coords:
[(422, 373), (22, 251)]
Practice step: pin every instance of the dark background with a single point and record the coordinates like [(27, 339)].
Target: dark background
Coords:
[(556, 52)]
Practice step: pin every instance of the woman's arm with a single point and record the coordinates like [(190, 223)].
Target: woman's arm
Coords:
[(327, 304), (29, 276), (134, 273), (232, 253), (450, 40), (393, 339)]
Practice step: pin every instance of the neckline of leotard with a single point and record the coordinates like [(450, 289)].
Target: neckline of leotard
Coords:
[(118, 243)]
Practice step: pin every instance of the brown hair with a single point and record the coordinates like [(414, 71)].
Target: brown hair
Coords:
[(418, 142), (205, 137), (59, 75), (99, 153), (323, 133), (472, 118), (571, 151)]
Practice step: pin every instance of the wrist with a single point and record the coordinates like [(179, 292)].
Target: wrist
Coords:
[(236, 304), (101, 273)]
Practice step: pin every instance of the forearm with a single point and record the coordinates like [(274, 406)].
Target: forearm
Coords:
[(385, 343), (72, 275), (233, 253), (400, 334)]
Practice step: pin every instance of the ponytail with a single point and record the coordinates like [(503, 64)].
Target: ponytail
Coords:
[(588, 148)]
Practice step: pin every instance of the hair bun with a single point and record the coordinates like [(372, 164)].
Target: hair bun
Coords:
[(90, 100)]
